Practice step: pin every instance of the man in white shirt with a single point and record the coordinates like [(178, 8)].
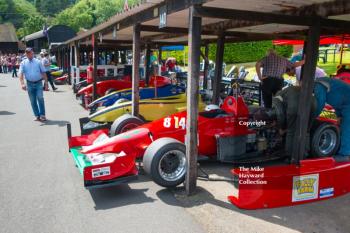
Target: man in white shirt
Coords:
[(45, 60), (319, 73)]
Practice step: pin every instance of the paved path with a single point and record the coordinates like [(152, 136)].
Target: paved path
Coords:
[(42, 191)]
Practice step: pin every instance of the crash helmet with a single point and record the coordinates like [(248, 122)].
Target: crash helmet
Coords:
[(211, 107)]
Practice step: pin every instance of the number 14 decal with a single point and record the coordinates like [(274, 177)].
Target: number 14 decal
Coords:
[(178, 122)]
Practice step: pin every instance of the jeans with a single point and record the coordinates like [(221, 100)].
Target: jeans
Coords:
[(4, 69), (49, 78), (36, 96), (345, 132), (14, 72)]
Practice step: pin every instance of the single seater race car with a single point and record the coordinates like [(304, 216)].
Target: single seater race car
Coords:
[(145, 93), (109, 86), (150, 110), (223, 135)]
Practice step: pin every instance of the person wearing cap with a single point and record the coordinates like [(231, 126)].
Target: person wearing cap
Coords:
[(45, 60), (32, 70), (274, 66)]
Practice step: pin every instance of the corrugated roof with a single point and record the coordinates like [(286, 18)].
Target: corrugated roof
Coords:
[(35, 35), (8, 33)]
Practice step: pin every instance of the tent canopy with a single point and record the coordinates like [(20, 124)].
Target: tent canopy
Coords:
[(338, 39)]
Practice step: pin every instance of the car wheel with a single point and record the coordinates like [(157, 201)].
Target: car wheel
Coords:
[(110, 90), (124, 123), (165, 161), (325, 140)]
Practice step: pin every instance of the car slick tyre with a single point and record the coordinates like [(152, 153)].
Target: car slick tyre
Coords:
[(325, 140), (124, 123), (165, 161), (110, 90)]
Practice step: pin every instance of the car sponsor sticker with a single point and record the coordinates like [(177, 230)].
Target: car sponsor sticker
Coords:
[(102, 171), (327, 192), (305, 187)]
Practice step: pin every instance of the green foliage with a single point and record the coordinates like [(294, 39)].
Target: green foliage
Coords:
[(51, 7), (33, 23), (248, 51), (236, 52), (15, 11), (89, 13)]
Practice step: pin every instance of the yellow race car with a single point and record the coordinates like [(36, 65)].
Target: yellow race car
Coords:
[(150, 109)]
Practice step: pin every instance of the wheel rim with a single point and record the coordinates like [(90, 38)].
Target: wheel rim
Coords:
[(128, 127), (172, 166), (328, 140)]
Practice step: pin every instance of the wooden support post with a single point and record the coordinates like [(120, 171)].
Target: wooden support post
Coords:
[(147, 64), (194, 42), (77, 55), (307, 77), (218, 67), (94, 63), (160, 58), (206, 67), (136, 49)]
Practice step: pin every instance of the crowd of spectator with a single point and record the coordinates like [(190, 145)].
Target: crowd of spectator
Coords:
[(9, 63)]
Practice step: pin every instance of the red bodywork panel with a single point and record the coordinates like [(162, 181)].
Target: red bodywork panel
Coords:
[(134, 142), (174, 126), (286, 185), (313, 180), (120, 84)]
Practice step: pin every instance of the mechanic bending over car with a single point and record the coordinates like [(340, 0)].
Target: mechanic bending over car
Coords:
[(296, 71), (274, 66), (337, 94)]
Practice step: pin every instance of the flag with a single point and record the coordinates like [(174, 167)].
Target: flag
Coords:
[(126, 5), (45, 30)]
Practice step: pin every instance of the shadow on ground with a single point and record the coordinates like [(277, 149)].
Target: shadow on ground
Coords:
[(57, 91), (55, 122), (6, 113), (324, 216), (117, 196)]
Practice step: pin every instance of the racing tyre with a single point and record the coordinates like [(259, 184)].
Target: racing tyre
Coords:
[(165, 161), (325, 140), (124, 123), (110, 90)]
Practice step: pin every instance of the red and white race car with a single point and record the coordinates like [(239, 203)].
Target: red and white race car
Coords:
[(224, 135)]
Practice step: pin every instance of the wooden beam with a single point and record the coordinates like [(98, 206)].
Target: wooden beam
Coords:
[(94, 63), (307, 76), (338, 7), (218, 68), (135, 70), (191, 141), (224, 13)]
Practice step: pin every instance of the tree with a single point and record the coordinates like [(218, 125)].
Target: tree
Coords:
[(33, 24), (89, 13)]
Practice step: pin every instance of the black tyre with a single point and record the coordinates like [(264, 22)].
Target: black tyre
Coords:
[(325, 140), (110, 90), (124, 123), (165, 161)]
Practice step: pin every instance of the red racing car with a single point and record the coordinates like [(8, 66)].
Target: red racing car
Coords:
[(224, 135), (108, 86)]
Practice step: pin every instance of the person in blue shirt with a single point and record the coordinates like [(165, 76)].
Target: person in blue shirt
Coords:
[(337, 94), (32, 70)]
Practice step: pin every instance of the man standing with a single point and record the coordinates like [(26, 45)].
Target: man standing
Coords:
[(45, 60), (34, 72), (14, 63), (274, 66)]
